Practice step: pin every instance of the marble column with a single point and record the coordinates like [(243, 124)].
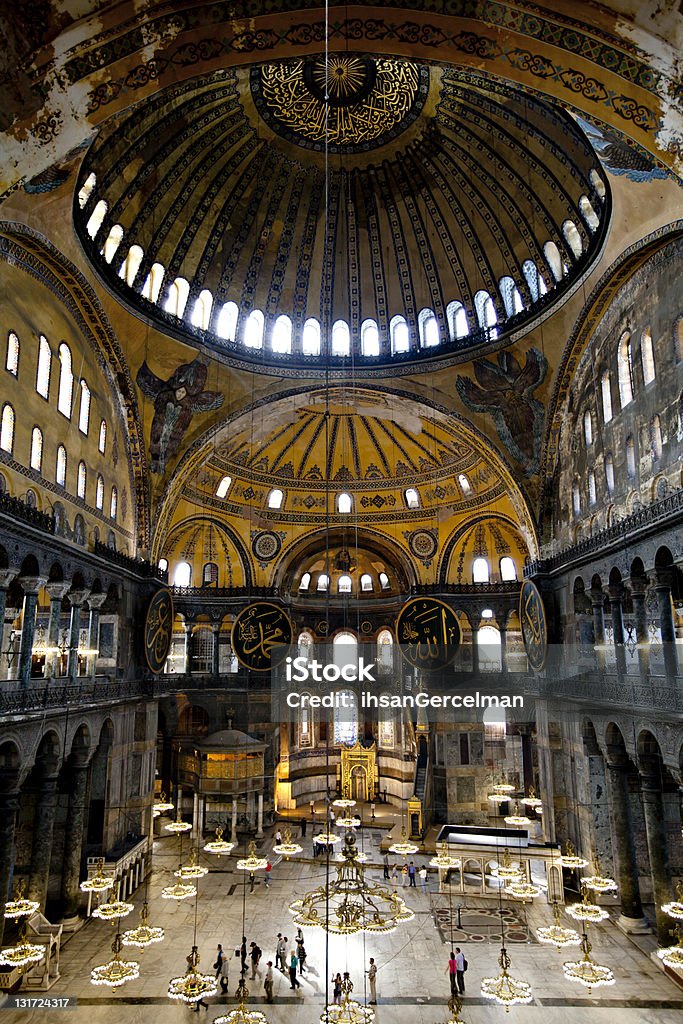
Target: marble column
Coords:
[(6, 578), (95, 602), (9, 805), (233, 823), (639, 585), (259, 817), (56, 592), (43, 828), (216, 632), (655, 831), (624, 850), (76, 599), (616, 597), (187, 626), (503, 630), (30, 585), (475, 648), (663, 581), (598, 608), (73, 843)]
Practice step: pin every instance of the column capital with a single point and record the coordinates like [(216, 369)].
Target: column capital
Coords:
[(616, 592), (639, 585), (78, 597), (6, 577), (56, 590), (95, 601), (32, 584), (664, 578), (597, 596)]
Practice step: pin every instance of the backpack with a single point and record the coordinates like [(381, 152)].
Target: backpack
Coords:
[(464, 965)]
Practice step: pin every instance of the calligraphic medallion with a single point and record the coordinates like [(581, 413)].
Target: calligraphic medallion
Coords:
[(261, 632), (159, 630), (428, 633), (534, 626)]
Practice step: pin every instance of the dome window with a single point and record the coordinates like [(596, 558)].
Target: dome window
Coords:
[(183, 575), (509, 293), (572, 238), (487, 317), (86, 190), (508, 569), (323, 581), (310, 338), (305, 581), (341, 339), (253, 330), (223, 487), (178, 294), (275, 498), (465, 485), (281, 338), (344, 585), (226, 325), (554, 260), (344, 504), (96, 218), (588, 213), (480, 571), (534, 279), (384, 581), (201, 311), (163, 564), (369, 338), (429, 328), (152, 286), (130, 266), (66, 381), (456, 317), (597, 183), (114, 239), (366, 582), (412, 498), (400, 335)]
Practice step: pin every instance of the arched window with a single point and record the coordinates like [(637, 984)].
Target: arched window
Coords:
[(86, 190), (226, 324), (480, 570), (609, 474), (592, 491), (678, 340), (572, 237), (102, 440), (400, 335), (656, 437), (81, 480), (323, 581), (631, 457), (647, 356), (310, 338), (153, 282), (456, 318), (344, 504), (253, 329), (60, 473), (66, 381), (44, 367), (182, 576), (210, 575), (223, 487), (99, 492), (366, 582), (429, 328), (534, 279), (554, 260), (79, 529), (465, 485), (31, 498), (7, 428), (369, 338), (113, 504), (576, 498), (597, 183), (163, 564), (84, 409), (178, 295), (412, 497), (305, 644), (305, 581), (385, 643), (12, 361), (625, 370), (275, 498), (114, 239), (341, 339), (384, 581), (588, 213), (346, 718), (130, 266), (281, 338), (37, 449), (344, 584), (588, 428), (487, 317), (606, 395), (508, 569), (509, 292), (201, 311), (96, 217)]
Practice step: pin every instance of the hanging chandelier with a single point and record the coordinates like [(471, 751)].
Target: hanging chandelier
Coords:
[(350, 904), (144, 935), (504, 989), (288, 848), (532, 800), (570, 859), (242, 1014), (444, 860), (162, 805), (505, 870), (522, 890), (327, 838), (113, 911), (23, 953), (555, 934), (675, 909), (403, 848), (191, 870), (252, 862), (344, 803), (586, 911), (586, 971), (117, 972), (599, 882), (347, 822), (455, 1006), (20, 906), (193, 985), (219, 846), (179, 891), (99, 881), (178, 826), (672, 956), (517, 820), (349, 1011)]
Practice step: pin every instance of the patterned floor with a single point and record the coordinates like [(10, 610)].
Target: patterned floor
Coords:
[(481, 924)]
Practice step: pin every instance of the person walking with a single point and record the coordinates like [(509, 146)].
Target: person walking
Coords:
[(301, 953), (386, 866), (460, 968), (282, 951), (372, 981), (269, 868), (336, 988), (225, 972), (278, 838), (423, 878), (279, 963), (243, 955), (452, 972), (293, 964), (303, 828), (220, 957), (404, 875), (255, 956), (394, 875), (411, 875), (268, 982)]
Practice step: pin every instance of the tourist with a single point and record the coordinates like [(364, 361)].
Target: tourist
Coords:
[(220, 957), (394, 875), (268, 982), (411, 875), (461, 967), (255, 956), (279, 959), (423, 878), (293, 964), (278, 838), (269, 868), (372, 981), (282, 953), (243, 954), (386, 866), (225, 969), (303, 828), (452, 971), (336, 988)]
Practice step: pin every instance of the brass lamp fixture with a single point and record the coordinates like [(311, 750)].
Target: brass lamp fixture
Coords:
[(219, 846), (586, 911), (191, 870), (455, 1006), (517, 820), (117, 972), (444, 860), (344, 803), (586, 971), (193, 985), (672, 956), (348, 822), (145, 934), (349, 904), (162, 805), (242, 1014), (506, 871), (20, 906), (504, 989), (327, 838), (252, 862), (179, 891), (557, 935), (599, 882), (532, 800), (521, 890), (349, 1011), (570, 859), (178, 826), (288, 848), (404, 848), (23, 954), (99, 882), (675, 908)]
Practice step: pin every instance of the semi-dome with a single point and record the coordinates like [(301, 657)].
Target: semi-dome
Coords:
[(456, 208)]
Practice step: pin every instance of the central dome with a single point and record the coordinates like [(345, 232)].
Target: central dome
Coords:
[(450, 210)]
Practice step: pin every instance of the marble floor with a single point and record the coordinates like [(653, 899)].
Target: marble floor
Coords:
[(412, 984)]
